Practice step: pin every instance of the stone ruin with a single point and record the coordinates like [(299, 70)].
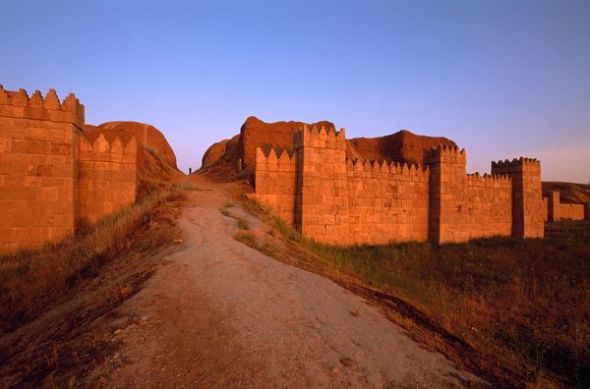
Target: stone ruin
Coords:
[(51, 176), (555, 210), (335, 200)]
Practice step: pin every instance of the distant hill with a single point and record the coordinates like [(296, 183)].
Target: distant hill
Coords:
[(570, 192)]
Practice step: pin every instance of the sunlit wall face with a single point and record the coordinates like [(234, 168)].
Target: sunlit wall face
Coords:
[(501, 78)]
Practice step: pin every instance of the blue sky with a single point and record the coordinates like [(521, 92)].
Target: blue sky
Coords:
[(501, 78)]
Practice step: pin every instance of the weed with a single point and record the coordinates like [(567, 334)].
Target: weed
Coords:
[(246, 238), (243, 224)]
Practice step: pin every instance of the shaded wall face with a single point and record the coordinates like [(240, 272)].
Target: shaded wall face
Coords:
[(529, 184), (527, 200), (37, 181), (107, 177), (546, 209)]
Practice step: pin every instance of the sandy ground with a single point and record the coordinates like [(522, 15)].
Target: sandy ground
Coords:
[(220, 314)]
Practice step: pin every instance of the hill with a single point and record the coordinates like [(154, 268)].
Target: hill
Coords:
[(570, 192)]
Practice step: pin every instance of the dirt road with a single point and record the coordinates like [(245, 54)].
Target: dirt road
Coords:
[(220, 314)]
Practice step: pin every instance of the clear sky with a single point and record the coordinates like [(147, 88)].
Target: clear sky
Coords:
[(501, 78)]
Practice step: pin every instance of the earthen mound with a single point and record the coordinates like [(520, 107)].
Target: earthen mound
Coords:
[(402, 146), (255, 133), (223, 158), (156, 159), (225, 150)]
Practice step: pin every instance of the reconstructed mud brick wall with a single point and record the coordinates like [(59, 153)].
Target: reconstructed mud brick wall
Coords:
[(275, 176), (108, 176), (527, 199), (338, 201), (556, 210), (489, 198), (40, 191)]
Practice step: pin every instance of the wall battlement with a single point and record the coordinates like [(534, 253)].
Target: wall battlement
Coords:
[(19, 105), (517, 164), (319, 137), (275, 161), (336, 200), (388, 168), (445, 153), (51, 175), (103, 150), (487, 179)]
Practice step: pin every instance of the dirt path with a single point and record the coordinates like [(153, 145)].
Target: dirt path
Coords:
[(221, 314)]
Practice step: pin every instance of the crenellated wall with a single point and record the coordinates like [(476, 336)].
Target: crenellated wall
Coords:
[(276, 179), (40, 166), (334, 200), (387, 202), (107, 176)]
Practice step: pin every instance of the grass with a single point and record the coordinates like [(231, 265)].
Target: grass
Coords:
[(525, 303), (521, 306), (243, 224), (33, 281), (246, 238)]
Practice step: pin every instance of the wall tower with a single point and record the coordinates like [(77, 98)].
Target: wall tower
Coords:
[(527, 200), (321, 198), (448, 183)]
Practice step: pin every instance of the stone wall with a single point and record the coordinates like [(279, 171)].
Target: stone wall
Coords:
[(321, 205), (40, 194), (387, 202), (108, 176), (556, 210), (345, 202), (448, 194), (489, 199), (527, 198), (275, 183), (38, 176), (255, 133)]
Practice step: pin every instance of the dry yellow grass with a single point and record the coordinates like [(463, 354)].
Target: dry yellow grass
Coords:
[(33, 281)]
